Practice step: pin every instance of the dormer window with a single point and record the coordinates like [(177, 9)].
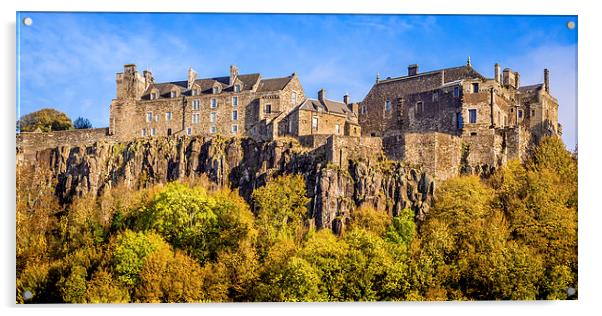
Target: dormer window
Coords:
[(195, 92), (153, 95), (173, 94), (236, 88), (215, 90)]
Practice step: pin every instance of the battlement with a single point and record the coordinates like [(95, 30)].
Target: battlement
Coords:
[(31, 142)]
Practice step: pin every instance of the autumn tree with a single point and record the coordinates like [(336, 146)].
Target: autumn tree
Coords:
[(46, 120)]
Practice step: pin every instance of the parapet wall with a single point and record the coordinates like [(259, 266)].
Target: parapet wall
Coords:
[(30, 142)]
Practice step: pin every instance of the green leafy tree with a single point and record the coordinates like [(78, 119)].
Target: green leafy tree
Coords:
[(281, 209), (130, 251), (46, 120), (370, 219), (402, 228), (185, 217)]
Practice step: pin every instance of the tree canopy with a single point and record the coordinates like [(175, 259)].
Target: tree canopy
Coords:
[(45, 120)]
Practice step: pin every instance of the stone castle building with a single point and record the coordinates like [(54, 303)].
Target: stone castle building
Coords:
[(448, 121), (235, 105), (456, 120)]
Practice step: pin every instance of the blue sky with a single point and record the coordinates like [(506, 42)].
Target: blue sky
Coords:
[(68, 61)]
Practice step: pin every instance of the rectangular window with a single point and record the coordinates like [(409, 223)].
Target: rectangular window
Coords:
[(459, 121), (456, 92), (267, 109), (314, 123), (157, 118), (520, 114), (290, 126), (472, 116), (168, 116), (153, 131), (196, 117), (419, 107), (234, 129), (213, 103), (237, 88), (212, 117), (294, 97), (234, 115), (189, 131), (364, 109), (475, 87), (234, 101), (388, 105), (215, 90), (193, 92), (153, 96), (172, 94), (143, 132), (532, 112), (337, 129), (149, 116), (196, 105), (213, 130), (435, 96)]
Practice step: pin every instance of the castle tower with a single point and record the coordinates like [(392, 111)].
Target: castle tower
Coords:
[(130, 83)]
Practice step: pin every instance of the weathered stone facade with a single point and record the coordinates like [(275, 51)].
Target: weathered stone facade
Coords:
[(455, 120), (237, 105)]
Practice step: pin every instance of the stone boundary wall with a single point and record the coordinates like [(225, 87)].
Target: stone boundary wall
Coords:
[(31, 142)]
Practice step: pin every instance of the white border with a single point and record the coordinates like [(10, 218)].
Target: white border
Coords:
[(589, 144)]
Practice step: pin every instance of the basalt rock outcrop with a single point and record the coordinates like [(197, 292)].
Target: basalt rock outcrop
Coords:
[(238, 163)]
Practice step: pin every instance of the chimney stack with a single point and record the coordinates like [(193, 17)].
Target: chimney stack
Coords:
[(498, 73), (517, 79), (346, 98), (322, 94), (546, 80), (191, 77), (148, 78), (233, 74), (412, 69)]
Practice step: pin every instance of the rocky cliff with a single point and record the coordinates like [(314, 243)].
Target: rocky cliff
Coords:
[(243, 164)]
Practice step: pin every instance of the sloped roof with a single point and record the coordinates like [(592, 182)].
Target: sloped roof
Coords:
[(326, 105), (424, 81), (530, 88), (273, 84)]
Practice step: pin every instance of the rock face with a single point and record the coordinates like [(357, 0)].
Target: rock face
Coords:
[(237, 163)]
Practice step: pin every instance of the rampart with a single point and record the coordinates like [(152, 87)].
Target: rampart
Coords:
[(31, 142)]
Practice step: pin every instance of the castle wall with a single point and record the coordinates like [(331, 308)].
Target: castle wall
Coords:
[(30, 142), (341, 149), (438, 153)]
